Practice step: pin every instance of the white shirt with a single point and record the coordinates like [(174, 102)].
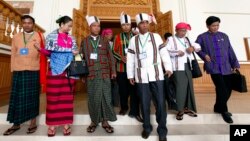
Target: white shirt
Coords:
[(181, 44), (147, 72)]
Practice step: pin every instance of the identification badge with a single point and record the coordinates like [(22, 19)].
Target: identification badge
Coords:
[(93, 56), (143, 55), (24, 51), (126, 50)]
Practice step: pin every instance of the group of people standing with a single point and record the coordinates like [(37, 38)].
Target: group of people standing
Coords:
[(138, 63)]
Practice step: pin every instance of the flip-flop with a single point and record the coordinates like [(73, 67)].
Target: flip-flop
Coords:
[(91, 128), (53, 132), (108, 129), (190, 113), (179, 116), (10, 131), (66, 132), (31, 130)]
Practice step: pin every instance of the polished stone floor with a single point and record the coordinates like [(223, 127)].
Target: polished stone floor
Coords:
[(238, 103)]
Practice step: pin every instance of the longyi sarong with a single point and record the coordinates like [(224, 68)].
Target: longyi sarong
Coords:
[(59, 110), (24, 98)]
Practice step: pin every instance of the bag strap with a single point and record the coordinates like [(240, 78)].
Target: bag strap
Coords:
[(176, 57), (190, 46), (71, 89)]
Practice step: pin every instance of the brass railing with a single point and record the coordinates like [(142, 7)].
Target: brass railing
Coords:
[(11, 23)]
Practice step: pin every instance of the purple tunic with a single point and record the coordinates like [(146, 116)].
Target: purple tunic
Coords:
[(218, 47)]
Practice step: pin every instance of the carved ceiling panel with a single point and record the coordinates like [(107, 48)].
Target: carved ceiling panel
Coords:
[(111, 9), (123, 2)]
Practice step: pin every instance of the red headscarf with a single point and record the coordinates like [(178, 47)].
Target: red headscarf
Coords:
[(183, 25), (107, 31)]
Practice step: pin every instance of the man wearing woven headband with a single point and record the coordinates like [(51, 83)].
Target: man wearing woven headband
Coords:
[(144, 68), (101, 65)]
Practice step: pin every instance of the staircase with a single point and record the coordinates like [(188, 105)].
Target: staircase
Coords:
[(205, 127)]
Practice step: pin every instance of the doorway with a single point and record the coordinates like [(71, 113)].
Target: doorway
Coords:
[(114, 25)]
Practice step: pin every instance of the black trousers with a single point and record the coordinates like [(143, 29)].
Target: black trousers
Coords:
[(127, 90), (153, 91), (223, 91), (115, 93)]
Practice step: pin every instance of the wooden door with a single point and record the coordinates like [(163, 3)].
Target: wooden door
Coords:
[(164, 23)]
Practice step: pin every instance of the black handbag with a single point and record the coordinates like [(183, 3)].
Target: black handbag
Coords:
[(238, 82), (196, 71), (78, 68), (170, 91)]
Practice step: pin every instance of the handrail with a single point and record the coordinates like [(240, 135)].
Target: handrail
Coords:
[(247, 48), (11, 23)]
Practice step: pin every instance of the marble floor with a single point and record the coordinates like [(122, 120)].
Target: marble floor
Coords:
[(238, 103)]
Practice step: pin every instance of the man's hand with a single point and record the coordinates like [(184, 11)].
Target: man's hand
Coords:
[(190, 50), (132, 81), (180, 53), (236, 69), (37, 45), (168, 73), (124, 59), (84, 80), (113, 76), (207, 58)]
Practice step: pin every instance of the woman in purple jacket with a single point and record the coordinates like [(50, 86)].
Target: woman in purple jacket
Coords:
[(219, 61)]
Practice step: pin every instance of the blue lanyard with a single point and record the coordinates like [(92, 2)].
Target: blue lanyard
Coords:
[(144, 44), (184, 44)]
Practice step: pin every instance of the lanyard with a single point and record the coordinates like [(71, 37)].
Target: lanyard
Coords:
[(95, 45), (184, 44), (144, 42), (125, 39), (26, 41)]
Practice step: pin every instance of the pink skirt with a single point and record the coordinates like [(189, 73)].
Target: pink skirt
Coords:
[(60, 98)]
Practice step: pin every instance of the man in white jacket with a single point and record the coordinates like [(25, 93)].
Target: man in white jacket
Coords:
[(145, 57)]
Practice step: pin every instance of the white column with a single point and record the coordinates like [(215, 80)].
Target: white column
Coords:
[(182, 10), (46, 12)]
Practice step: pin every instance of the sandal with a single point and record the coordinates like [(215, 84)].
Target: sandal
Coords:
[(11, 131), (31, 130), (52, 132), (108, 128), (190, 113), (91, 128), (179, 116), (67, 132)]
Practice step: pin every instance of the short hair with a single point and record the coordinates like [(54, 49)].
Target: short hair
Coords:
[(63, 20), (166, 35), (28, 17), (211, 19)]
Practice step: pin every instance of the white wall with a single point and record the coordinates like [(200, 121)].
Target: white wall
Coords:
[(47, 11), (234, 15)]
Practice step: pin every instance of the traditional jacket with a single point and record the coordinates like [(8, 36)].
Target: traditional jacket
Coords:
[(145, 58), (120, 48), (218, 47), (25, 62), (105, 61), (176, 44)]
